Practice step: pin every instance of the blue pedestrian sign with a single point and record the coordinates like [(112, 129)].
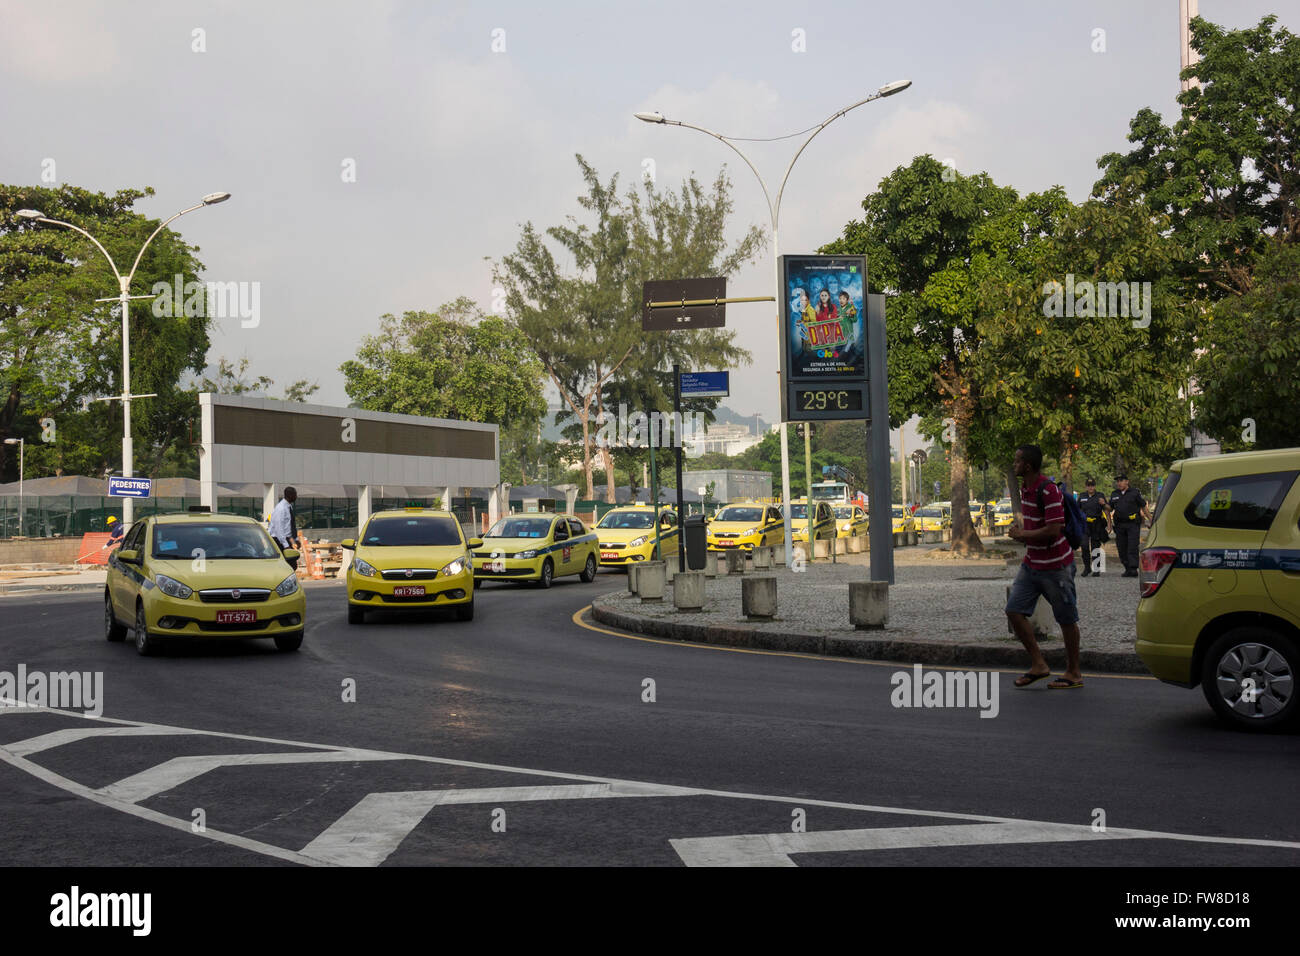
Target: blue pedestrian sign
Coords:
[(706, 384), (120, 487)]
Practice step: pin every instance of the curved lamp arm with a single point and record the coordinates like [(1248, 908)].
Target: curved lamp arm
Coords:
[(68, 225), (161, 226)]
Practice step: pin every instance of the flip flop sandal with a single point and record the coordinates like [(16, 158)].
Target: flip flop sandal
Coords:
[(1027, 678), (1064, 683)]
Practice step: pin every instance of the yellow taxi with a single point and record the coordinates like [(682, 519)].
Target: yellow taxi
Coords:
[(627, 535), (1220, 585), (851, 520), (934, 517), (201, 575), (746, 525), (536, 547), (901, 519), (823, 520), (1002, 515), (415, 558)]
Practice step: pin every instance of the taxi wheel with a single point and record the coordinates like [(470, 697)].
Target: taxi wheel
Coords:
[(465, 612), (478, 583), (144, 644), (356, 615), (1269, 660), (548, 573), (289, 642), (112, 630), (589, 572)]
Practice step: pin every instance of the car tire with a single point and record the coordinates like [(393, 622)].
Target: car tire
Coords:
[(547, 575), (112, 629), (1263, 655), (145, 644), (356, 615), (589, 572), (478, 583), (465, 612), (289, 642)]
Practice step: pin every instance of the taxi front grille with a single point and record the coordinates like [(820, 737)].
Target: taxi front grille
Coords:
[(227, 595), (612, 547), (726, 534), (409, 574)]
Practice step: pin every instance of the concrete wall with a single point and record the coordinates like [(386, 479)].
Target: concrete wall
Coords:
[(40, 550)]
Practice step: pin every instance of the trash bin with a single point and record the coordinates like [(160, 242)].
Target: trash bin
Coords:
[(697, 542)]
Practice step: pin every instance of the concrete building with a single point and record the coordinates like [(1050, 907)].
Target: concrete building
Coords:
[(730, 484)]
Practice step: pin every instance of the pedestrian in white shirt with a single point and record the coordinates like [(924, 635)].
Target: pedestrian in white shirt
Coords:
[(284, 527)]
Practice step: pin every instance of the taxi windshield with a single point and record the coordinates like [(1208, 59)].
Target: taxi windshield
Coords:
[(844, 512), (799, 511), (929, 513), (413, 531), (517, 527), (635, 520), (898, 511), (740, 514), (215, 541)]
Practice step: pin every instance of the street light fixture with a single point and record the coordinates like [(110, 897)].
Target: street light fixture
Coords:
[(774, 212), (22, 447), (123, 298)]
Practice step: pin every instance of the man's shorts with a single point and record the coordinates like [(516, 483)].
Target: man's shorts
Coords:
[(1056, 585)]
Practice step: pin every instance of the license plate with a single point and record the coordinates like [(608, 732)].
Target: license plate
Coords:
[(727, 544), (409, 590), (496, 567), (611, 555), (236, 617)]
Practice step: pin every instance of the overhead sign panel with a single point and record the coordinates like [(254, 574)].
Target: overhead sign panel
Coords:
[(706, 384), (120, 487), (672, 318)]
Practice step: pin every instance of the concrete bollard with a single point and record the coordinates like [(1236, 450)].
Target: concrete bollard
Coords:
[(854, 545), (900, 538), (913, 537), (758, 597), (1041, 620), (631, 578), (821, 548), (868, 604), (764, 558), (736, 562), (688, 590), (932, 537), (651, 579)]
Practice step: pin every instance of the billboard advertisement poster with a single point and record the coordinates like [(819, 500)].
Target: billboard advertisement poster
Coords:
[(825, 316)]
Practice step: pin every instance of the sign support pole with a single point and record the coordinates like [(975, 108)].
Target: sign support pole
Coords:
[(878, 465), (677, 443)]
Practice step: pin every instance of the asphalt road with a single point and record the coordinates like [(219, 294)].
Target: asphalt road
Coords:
[(523, 737)]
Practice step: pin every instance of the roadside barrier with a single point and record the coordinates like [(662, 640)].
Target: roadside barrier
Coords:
[(92, 548)]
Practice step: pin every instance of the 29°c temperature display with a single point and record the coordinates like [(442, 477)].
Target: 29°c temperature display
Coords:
[(828, 399)]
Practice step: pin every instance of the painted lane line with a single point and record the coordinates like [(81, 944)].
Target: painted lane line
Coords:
[(58, 738), (369, 832), (172, 773), (774, 849)]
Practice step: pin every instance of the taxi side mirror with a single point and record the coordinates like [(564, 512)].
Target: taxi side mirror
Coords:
[(291, 554), (349, 544), (475, 543), (131, 556)]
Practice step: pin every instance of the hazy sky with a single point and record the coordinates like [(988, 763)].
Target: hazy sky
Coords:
[(456, 145)]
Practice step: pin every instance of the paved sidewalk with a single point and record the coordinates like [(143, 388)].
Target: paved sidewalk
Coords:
[(941, 611)]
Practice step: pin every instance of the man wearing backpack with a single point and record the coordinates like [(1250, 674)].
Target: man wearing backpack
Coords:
[(1047, 571)]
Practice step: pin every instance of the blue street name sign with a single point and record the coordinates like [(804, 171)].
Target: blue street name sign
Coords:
[(119, 487), (706, 384)]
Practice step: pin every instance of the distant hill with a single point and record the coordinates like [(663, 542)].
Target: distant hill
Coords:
[(726, 416)]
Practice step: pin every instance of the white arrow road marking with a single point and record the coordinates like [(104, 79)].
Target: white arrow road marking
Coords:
[(172, 773), (369, 833), (774, 849), (150, 782), (33, 745)]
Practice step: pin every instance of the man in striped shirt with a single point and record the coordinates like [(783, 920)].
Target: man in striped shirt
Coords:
[(1047, 571)]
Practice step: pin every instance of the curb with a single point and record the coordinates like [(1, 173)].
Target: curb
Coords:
[(37, 588), (901, 650)]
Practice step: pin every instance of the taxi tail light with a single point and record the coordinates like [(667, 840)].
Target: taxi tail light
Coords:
[(1155, 564)]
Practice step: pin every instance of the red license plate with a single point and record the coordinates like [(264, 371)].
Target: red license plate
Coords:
[(727, 544), (609, 554), (409, 590), (236, 617)]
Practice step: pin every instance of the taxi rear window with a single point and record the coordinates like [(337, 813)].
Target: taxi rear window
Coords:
[(411, 532), (1244, 502)]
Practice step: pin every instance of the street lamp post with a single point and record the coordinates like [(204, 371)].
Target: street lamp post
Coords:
[(123, 298), (774, 214), (22, 447)]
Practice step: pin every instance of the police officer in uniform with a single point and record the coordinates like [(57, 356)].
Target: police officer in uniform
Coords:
[(1095, 508), (1128, 511)]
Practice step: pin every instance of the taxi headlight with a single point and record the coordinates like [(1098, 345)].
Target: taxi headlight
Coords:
[(363, 568), (456, 567), (637, 542), (526, 554), (171, 587), (749, 532), (288, 586)]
